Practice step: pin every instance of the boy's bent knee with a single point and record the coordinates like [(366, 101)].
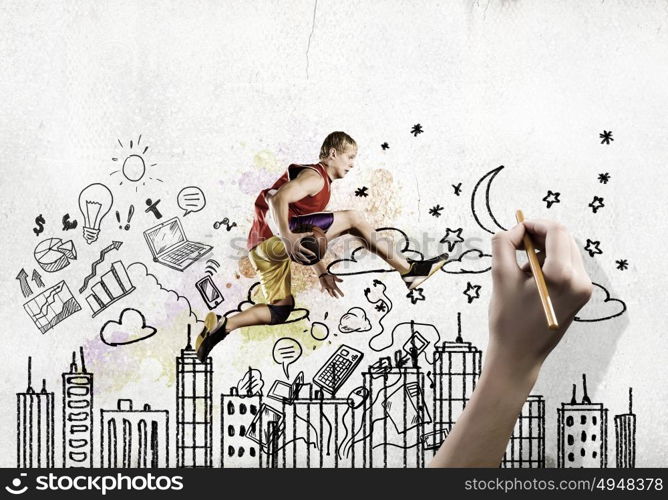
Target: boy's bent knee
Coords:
[(280, 312)]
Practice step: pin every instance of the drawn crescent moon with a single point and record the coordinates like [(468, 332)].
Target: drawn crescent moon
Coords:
[(483, 214)]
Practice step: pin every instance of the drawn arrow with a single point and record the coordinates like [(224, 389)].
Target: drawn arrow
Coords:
[(37, 278), (115, 245), (23, 280)]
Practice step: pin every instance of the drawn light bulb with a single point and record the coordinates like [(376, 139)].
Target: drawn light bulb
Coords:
[(95, 201)]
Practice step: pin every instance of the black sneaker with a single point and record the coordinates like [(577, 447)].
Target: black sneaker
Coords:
[(210, 335), (421, 270)]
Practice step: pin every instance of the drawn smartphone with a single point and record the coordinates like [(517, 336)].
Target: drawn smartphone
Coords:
[(209, 292)]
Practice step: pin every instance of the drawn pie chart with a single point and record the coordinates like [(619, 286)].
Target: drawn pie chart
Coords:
[(53, 255)]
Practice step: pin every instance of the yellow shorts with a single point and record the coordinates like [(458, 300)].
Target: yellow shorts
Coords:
[(272, 265)]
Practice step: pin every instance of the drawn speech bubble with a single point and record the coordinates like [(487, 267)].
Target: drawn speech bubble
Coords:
[(286, 352), (191, 199)]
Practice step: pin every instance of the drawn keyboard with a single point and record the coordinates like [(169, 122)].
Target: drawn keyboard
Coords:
[(182, 252), (338, 368)]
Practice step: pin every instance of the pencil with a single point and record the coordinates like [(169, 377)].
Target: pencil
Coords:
[(537, 272)]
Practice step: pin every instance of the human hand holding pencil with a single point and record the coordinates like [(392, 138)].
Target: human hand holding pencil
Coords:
[(519, 338), (519, 331)]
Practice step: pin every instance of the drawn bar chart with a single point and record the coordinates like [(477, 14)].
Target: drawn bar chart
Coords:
[(113, 286)]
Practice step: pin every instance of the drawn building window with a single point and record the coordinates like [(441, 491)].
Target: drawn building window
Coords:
[(143, 444), (583, 419), (127, 443), (570, 440), (252, 452), (230, 408), (582, 452), (154, 444), (242, 409), (230, 430), (200, 456), (241, 451), (200, 408), (111, 444), (594, 454), (593, 437), (571, 457), (569, 420), (242, 433), (195, 434), (593, 420), (253, 409), (252, 428), (230, 451), (583, 436)]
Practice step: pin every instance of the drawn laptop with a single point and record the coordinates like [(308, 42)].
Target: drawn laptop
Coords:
[(169, 245), (284, 392)]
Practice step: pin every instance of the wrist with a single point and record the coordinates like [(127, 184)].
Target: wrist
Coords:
[(521, 371)]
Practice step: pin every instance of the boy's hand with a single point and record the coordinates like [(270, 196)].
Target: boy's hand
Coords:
[(293, 247), (328, 282), (519, 337)]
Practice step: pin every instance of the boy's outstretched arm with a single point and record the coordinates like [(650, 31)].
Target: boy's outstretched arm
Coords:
[(519, 340)]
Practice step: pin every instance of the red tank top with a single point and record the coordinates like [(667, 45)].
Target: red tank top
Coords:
[(260, 230)]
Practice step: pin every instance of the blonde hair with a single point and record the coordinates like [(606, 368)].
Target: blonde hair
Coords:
[(338, 141)]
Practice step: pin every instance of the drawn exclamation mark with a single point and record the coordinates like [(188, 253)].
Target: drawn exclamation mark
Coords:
[(118, 218), (130, 214)]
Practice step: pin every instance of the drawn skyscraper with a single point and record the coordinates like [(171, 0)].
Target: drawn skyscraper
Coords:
[(582, 433), (134, 438), (194, 409), (625, 434), (77, 415), (399, 421), (457, 367), (34, 432), (313, 434), (526, 448), (238, 413)]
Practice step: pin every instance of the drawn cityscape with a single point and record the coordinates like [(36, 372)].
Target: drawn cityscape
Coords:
[(300, 425)]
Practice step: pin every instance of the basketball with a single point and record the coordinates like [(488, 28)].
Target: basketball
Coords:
[(316, 243)]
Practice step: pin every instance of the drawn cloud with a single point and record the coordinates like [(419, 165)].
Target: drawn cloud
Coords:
[(601, 306), (362, 262), (472, 261), (354, 320), (131, 327)]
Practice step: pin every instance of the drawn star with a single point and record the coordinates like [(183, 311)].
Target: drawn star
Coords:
[(596, 203), (606, 136), (592, 247), (452, 237), (551, 198), (417, 129), (622, 264), (362, 192), (472, 292), (436, 211), (380, 307), (457, 188), (604, 178), (385, 146), (415, 295)]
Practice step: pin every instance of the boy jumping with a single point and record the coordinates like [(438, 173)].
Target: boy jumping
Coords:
[(299, 197)]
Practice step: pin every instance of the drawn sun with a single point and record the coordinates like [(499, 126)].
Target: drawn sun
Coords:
[(134, 165)]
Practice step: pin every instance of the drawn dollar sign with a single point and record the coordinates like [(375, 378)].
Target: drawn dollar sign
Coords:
[(39, 220)]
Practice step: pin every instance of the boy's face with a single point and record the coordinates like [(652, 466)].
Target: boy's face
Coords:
[(342, 162)]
